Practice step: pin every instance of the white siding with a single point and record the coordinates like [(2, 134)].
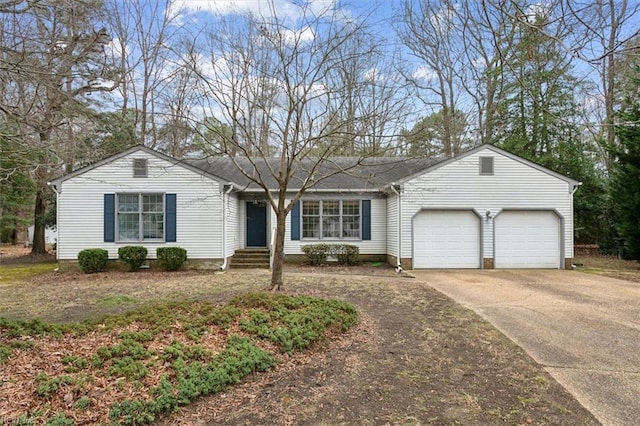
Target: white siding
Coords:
[(198, 209), (514, 185), (232, 223), (392, 225)]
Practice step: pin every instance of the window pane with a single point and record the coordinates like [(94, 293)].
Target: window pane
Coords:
[(331, 219), (351, 227), (128, 203), (152, 225), (351, 219), (311, 227), (331, 208), (351, 208), (128, 226), (152, 203), (311, 208), (331, 226), (311, 219)]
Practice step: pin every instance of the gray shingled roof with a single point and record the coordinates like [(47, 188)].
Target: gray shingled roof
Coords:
[(340, 173)]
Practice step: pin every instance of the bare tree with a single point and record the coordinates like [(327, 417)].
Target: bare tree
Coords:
[(272, 80), (605, 30), (429, 30), (144, 34), (52, 59)]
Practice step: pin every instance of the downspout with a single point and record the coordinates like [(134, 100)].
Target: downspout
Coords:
[(399, 257), (225, 195), (57, 215)]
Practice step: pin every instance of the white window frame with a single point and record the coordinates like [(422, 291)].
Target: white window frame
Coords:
[(140, 212), (322, 222)]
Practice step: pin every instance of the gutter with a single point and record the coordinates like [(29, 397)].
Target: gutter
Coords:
[(575, 188), (225, 195), (399, 257)]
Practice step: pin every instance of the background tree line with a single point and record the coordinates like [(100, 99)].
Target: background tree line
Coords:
[(556, 83)]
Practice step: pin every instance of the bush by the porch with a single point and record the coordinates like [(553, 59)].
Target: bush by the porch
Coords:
[(346, 254)]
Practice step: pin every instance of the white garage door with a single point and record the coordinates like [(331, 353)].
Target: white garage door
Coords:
[(446, 239), (527, 239)]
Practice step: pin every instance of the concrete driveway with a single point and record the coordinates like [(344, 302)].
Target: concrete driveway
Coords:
[(584, 329)]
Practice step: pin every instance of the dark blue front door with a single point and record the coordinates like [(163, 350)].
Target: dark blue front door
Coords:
[(256, 224)]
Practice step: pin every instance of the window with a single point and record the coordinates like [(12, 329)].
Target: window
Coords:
[(486, 165), (311, 219), (331, 219), (140, 217), (139, 167)]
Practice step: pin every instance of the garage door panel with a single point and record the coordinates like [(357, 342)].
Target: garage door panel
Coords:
[(527, 239), (446, 239)]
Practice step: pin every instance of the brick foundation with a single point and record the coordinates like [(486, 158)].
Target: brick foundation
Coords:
[(487, 263)]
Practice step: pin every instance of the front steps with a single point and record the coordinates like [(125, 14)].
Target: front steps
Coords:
[(250, 259)]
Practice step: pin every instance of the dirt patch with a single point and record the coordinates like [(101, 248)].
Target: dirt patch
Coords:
[(17, 255), (416, 357), (609, 266)]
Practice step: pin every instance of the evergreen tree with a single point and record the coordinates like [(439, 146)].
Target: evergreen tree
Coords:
[(540, 119), (625, 191), (16, 188)]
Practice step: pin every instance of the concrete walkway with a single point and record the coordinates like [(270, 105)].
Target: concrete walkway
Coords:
[(584, 329)]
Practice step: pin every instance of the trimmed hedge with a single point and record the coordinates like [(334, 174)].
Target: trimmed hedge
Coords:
[(93, 260), (134, 256), (171, 258), (346, 254), (316, 253)]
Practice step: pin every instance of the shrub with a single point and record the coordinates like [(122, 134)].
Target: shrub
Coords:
[(134, 256), (171, 258), (316, 253), (93, 260), (346, 254)]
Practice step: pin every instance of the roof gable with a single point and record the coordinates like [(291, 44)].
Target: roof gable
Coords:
[(129, 151), (497, 151)]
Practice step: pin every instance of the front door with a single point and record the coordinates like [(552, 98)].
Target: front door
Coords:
[(256, 224)]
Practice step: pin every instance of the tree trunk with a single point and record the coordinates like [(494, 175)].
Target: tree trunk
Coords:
[(278, 256), (38, 246)]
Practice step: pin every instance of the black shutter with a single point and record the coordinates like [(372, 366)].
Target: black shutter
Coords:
[(366, 219), (295, 222), (109, 218), (170, 234)]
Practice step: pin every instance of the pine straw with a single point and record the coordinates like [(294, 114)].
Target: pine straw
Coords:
[(252, 396), (18, 388)]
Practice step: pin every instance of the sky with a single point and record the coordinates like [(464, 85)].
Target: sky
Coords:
[(196, 14)]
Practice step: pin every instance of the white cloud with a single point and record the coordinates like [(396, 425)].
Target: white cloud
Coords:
[(424, 72), (266, 8), (298, 37)]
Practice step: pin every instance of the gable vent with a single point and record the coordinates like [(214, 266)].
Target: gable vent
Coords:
[(139, 167), (486, 165)]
